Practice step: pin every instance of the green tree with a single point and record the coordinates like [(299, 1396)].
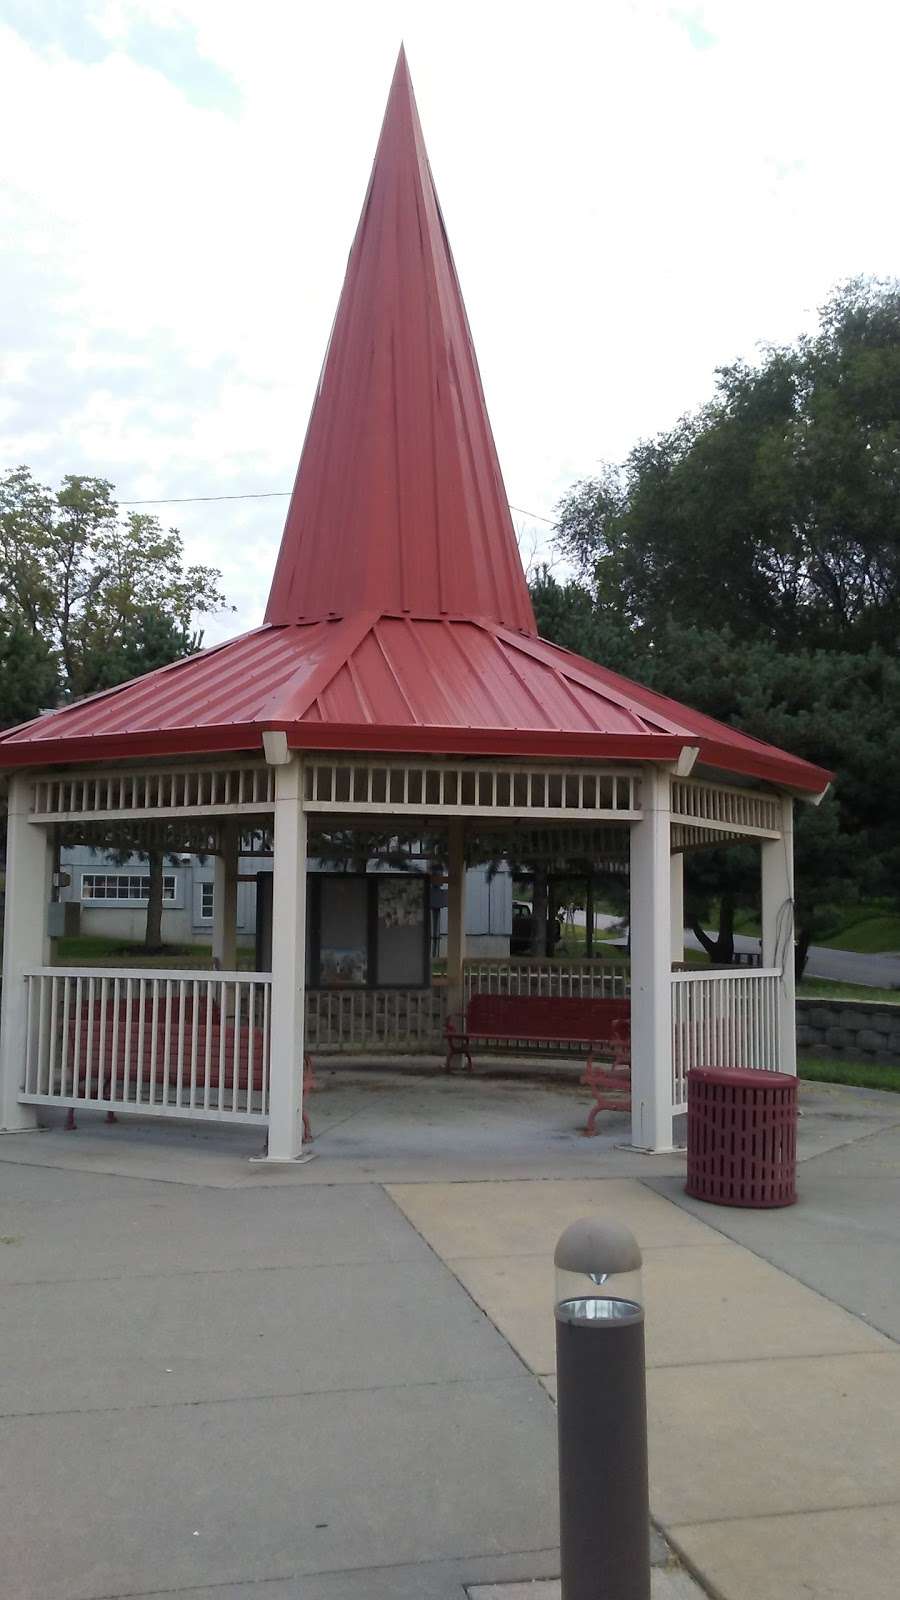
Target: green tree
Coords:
[(90, 599), (776, 508), (840, 708), (110, 595), (747, 562), (28, 673)]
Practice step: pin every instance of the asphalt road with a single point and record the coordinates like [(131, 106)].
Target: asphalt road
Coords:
[(841, 966)]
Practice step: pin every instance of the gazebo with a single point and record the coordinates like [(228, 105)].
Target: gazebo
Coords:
[(397, 683)]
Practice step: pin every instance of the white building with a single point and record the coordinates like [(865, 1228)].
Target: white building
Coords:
[(112, 895)]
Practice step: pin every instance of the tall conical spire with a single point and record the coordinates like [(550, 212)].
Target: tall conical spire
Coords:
[(398, 505)]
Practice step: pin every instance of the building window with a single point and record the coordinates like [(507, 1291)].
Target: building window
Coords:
[(118, 887), (207, 892)]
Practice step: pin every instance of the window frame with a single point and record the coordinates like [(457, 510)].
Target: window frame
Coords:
[(89, 898)]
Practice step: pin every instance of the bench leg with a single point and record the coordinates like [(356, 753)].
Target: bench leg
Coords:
[(588, 1079), (454, 1050)]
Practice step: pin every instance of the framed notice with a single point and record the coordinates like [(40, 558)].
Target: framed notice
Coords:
[(369, 930)]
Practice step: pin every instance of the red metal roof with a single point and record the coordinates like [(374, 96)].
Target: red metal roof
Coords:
[(399, 617), (399, 504), (400, 684)]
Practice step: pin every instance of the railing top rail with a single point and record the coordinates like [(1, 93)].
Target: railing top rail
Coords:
[(726, 972), (545, 961), (187, 974)]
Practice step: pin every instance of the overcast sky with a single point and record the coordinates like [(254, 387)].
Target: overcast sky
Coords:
[(635, 193)]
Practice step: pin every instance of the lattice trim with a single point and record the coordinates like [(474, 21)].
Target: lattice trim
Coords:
[(708, 810), (460, 789), (154, 792)]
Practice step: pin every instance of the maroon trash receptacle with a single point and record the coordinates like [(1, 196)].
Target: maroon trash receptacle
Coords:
[(742, 1137)]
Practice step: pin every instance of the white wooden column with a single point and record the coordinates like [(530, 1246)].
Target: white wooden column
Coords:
[(29, 875), (456, 914), (225, 887), (651, 989), (777, 863), (288, 964), (676, 905)]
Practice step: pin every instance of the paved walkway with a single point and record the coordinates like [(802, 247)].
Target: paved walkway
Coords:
[(335, 1383)]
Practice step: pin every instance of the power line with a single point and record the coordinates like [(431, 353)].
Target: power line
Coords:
[(278, 494), (534, 515), (193, 499)]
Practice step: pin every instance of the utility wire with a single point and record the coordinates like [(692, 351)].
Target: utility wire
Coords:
[(278, 494)]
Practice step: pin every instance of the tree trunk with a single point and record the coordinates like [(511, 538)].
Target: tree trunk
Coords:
[(801, 952), (153, 934), (539, 912), (721, 949)]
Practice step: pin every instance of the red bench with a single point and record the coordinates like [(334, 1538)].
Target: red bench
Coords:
[(603, 1027), (101, 1050)]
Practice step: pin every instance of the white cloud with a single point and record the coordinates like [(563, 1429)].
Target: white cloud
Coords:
[(636, 193)]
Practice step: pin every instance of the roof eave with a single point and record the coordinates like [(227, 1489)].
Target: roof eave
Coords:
[(780, 770)]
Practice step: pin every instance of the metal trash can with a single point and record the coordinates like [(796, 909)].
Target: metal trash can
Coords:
[(742, 1137)]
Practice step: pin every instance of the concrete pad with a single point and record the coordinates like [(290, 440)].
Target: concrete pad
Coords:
[(171, 1229), (762, 1438), (725, 1304), (126, 1342), (704, 1304), (835, 1114), (842, 1237), (516, 1218), (433, 1580), (666, 1583), (517, 1294), (818, 1555), (384, 1125), (112, 1503)]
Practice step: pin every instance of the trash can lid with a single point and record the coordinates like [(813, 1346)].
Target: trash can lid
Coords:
[(742, 1077)]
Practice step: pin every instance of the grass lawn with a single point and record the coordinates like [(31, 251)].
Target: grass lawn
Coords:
[(95, 951), (859, 1074), (868, 934), (828, 989), (870, 928)]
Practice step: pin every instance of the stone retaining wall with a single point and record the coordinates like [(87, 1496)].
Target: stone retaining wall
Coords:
[(861, 1028)]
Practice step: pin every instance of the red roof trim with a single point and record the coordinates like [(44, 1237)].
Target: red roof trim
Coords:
[(505, 743)]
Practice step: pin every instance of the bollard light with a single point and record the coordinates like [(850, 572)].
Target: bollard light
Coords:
[(604, 1512), (599, 1259)]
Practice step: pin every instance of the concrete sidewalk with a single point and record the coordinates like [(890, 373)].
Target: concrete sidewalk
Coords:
[(223, 1381)]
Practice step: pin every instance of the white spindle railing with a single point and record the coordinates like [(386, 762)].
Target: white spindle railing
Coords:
[(157, 1043), (600, 979), (724, 1019)]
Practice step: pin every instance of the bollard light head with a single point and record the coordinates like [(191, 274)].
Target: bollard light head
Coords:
[(599, 1258)]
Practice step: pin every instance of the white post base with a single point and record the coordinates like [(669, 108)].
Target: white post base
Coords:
[(284, 1161), (647, 1150)]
